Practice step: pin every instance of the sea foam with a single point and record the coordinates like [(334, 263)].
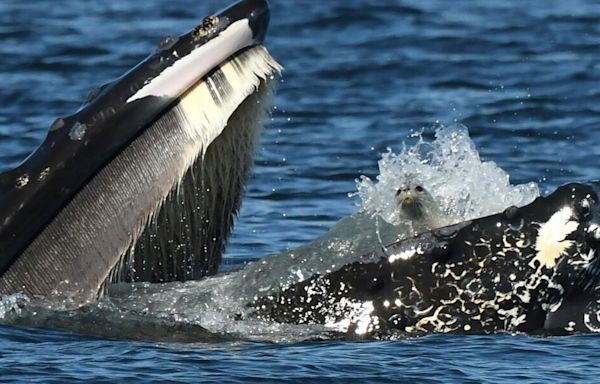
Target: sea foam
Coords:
[(450, 168)]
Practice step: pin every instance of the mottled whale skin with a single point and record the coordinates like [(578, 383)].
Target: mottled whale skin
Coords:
[(164, 94), (532, 269)]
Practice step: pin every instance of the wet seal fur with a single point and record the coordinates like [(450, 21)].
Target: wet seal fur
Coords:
[(523, 270), (416, 204)]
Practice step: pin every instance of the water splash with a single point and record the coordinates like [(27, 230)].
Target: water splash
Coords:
[(450, 168), (12, 305), (215, 307)]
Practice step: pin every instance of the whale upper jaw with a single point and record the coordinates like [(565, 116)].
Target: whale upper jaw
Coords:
[(75, 207), (196, 53)]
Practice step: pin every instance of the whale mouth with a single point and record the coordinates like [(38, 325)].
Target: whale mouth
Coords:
[(142, 183)]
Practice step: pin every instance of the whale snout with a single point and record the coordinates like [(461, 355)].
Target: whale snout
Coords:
[(259, 18), (256, 12)]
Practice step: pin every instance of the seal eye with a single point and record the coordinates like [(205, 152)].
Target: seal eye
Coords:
[(418, 188)]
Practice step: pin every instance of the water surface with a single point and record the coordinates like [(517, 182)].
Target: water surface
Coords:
[(361, 76)]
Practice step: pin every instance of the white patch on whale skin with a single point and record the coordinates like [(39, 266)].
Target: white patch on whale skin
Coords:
[(435, 323), (357, 313), (551, 241), (365, 322), (594, 230), (591, 323), (591, 317), (189, 69), (404, 255)]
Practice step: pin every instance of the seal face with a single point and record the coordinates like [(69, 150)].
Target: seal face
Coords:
[(416, 204)]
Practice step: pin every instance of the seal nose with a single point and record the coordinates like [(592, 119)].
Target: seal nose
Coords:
[(407, 199), (405, 196)]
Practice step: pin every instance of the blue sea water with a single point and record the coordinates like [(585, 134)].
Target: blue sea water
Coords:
[(360, 77)]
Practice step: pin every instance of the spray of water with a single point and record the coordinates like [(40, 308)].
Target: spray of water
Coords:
[(449, 167)]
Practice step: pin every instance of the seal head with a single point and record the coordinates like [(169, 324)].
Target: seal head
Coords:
[(416, 204)]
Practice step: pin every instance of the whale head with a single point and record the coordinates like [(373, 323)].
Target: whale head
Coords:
[(143, 182)]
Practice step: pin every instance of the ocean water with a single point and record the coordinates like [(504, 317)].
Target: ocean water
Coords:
[(361, 77)]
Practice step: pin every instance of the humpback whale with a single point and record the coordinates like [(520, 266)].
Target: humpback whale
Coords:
[(141, 184), (529, 269)]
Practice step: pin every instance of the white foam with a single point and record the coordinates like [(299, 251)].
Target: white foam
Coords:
[(12, 304), (450, 168)]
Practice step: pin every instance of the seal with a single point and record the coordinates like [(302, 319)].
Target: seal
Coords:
[(416, 204), (528, 269)]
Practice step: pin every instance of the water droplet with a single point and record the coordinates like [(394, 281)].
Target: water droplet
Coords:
[(77, 131)]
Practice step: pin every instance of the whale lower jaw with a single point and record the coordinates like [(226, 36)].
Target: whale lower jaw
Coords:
[(163, 208)]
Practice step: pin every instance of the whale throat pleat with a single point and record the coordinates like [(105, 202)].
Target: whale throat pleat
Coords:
[(163, 208)]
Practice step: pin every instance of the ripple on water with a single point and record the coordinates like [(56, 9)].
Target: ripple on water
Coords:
[(521, 77)]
